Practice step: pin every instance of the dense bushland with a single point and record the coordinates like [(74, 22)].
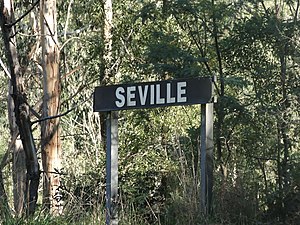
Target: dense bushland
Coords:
[(252, 47)]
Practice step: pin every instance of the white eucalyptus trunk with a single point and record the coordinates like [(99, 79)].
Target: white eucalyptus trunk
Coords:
[(51, 144)]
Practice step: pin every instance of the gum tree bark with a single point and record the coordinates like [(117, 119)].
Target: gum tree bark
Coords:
[(51, 144)]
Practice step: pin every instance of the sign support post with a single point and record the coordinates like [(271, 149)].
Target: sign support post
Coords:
[(111, 168), (206, 164)]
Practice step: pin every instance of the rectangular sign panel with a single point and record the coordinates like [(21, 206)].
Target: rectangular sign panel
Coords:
[(153, 94)]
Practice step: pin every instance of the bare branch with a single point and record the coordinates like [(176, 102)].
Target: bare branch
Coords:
[(25, 14), (6, 158), (297, 11), (71, 72), (50, 31), (67, 20), (53, 117), (35, 113), (4, 68), (67, 41)]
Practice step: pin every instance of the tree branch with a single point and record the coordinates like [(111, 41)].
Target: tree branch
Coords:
[(50, 31), (6, 158), (53, 117), (67, 20), (5, 69), (25, 14)]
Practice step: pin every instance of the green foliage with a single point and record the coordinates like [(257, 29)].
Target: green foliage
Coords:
[(257, 169), (144, 144)]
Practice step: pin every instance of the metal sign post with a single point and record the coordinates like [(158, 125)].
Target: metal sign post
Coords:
[(206, 163), (111, 168)]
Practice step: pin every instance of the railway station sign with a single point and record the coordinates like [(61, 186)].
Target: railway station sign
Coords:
[(149, 95), (153, 94)]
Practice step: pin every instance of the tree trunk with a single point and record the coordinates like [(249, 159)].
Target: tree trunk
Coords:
[(107, 37), (21, 107), (107, 72), (51, 146), (283, 125), (220, 115), (19, 161), (19, 177), (285, 119), (4, 207)]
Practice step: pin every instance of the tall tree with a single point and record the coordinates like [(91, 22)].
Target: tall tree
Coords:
[(106, 73), (51, 144), (21, 107), (107, 38)]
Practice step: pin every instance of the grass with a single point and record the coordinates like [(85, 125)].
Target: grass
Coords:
[(128, 215)]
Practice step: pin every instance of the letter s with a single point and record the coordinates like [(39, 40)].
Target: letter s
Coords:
[(119, 95)]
